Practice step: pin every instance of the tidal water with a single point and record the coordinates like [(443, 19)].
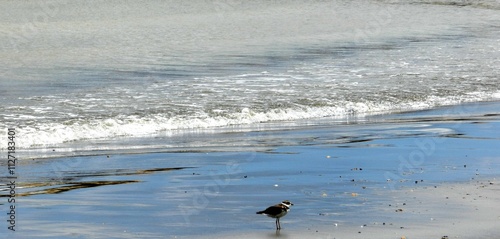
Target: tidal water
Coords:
[(105, 75)]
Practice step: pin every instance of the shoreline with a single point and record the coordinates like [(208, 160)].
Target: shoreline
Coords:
[(343, 174), (176, 141)]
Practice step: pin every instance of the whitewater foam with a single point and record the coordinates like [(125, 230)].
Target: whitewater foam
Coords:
[(51, 134)]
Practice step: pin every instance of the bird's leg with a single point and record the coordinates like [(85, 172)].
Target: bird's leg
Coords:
[(278, 224)]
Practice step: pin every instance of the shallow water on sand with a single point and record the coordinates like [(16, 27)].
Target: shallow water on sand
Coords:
[(339, 174)]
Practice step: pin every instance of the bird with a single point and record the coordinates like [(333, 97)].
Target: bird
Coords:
[(277, 211)]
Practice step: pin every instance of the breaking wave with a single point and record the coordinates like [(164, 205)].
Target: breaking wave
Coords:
[(48, 134)]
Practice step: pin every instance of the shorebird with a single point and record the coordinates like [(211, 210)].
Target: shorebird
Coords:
[(277, 211)]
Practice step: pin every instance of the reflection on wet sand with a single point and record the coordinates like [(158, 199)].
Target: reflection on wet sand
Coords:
[(67, 183), (71, 186), (120, 172)]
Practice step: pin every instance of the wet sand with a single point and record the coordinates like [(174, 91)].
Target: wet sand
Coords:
[(451, 210), (426, 174)]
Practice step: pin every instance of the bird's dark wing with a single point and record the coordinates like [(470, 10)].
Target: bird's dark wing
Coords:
[(272, 210)]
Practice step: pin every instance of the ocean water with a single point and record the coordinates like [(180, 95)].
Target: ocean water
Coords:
[(87, 76)]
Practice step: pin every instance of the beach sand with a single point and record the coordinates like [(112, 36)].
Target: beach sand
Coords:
[(451, 210), (426, 174)]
